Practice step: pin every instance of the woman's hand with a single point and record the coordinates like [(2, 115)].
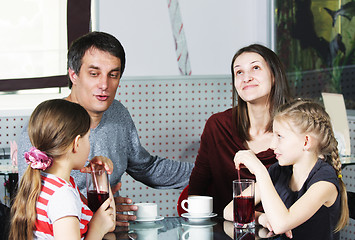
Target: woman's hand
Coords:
[(101, 161)]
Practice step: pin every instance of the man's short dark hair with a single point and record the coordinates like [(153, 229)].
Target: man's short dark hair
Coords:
[(99, 40)]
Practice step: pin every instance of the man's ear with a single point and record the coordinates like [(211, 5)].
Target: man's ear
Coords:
[(76, 143), (72, 75)]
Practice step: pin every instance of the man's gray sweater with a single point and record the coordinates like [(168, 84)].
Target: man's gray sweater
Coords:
[(116, 137)]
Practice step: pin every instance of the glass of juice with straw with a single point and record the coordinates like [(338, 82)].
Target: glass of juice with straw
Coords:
[(244, 203)]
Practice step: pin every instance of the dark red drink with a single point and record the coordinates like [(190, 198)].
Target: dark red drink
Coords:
[(95, 199), (244, 209)]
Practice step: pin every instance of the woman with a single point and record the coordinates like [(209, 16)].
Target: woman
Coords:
[(260, 82)]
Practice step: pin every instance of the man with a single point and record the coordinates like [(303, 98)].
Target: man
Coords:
[(96, 62)]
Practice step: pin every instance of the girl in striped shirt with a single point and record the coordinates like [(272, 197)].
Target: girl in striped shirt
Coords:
[(48, 204)]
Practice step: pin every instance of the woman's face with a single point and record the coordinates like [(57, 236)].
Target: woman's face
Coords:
[(252, 78)]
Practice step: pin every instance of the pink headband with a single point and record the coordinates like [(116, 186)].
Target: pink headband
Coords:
[(38, 159)]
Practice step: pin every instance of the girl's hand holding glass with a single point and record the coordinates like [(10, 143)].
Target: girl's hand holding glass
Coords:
[(104, 220)]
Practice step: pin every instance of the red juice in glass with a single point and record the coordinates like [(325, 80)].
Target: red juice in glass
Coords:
[(95, 199), (244, 209), (243, 203)]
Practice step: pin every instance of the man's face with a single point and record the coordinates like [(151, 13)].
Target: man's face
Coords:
[(95, 86)]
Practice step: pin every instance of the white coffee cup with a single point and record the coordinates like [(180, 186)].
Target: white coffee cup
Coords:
[(198, 205), (203, 233), (146, 210)]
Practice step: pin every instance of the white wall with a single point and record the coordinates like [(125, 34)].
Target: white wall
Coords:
[(214, 30)]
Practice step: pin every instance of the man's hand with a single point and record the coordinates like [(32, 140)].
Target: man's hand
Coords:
[(122, 206)]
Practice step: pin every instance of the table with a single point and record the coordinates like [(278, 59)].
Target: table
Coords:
[(177, 228)]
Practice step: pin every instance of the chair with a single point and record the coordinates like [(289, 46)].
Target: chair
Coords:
[(335, 106), (183, 195), (4, 221)]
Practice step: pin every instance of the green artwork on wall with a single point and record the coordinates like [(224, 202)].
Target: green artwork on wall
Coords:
[(315, 39)]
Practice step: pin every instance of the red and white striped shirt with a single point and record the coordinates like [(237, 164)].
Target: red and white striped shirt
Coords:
[(59, 199)]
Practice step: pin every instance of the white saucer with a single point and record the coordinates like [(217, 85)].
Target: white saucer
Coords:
[(158, 218), (198, 218)]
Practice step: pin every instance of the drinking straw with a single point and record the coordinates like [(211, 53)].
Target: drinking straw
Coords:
[(95, 180), (240, 186)]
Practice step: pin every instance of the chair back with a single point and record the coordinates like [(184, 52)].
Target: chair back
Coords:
[(183, 195)]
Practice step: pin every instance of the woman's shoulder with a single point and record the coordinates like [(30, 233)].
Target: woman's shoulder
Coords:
[(220, 120), (224, 116)]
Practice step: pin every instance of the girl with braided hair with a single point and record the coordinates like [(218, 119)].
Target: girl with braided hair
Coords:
[(302, 192)]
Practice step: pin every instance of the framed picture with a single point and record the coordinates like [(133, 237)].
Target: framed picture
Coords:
[(315, 39)]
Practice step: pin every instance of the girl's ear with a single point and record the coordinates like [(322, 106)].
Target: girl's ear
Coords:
[(308, 141), (76, 143)]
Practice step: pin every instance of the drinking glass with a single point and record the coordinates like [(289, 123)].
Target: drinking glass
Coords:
[(244, 203), (97, 185)]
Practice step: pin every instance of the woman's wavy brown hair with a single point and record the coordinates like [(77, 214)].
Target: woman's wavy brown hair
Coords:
[(52, 128)]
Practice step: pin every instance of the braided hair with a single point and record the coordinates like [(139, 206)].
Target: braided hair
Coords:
[(310, 117)]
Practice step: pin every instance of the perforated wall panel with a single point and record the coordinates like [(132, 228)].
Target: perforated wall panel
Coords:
[(170, 116)]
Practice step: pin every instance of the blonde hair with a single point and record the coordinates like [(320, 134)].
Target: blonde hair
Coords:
[(310, 117), (52, 127)]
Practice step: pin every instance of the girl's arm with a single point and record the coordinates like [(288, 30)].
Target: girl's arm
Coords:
[(280, 218), (103, 221), (228, 212), (66, 228)]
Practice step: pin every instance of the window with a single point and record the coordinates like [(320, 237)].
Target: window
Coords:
[(33, 50)]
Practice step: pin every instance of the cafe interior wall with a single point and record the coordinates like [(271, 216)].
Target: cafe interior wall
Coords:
[(145, 30), (152, 88)]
